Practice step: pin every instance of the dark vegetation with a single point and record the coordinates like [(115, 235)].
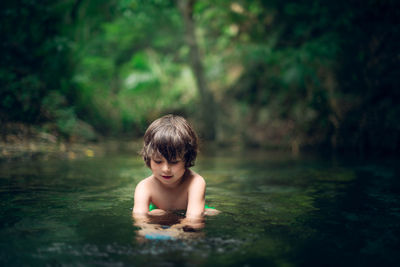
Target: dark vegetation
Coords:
[(294, 74)]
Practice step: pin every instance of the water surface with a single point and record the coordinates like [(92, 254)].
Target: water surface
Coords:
[(277, 210)]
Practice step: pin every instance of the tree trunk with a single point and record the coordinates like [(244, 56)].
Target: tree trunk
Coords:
[(207, 109)]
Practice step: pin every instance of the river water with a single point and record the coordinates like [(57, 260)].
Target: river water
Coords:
[(277, 210)]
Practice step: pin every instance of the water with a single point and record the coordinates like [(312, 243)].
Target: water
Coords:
[(277, 210)]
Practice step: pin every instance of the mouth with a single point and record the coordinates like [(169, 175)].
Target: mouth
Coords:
[(166, 176)]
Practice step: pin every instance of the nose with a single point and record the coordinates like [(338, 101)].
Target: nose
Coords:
[(165, 166)]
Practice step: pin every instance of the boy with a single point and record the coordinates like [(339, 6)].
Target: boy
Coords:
[(170, 149)]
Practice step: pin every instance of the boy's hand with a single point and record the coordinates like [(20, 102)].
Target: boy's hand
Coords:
[(190, 225), (157, 212), (211, 212)]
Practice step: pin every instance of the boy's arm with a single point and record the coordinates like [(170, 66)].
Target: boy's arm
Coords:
[(142, 199), (196, 195)]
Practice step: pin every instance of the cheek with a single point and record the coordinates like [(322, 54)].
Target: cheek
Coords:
[(153, 166), (180, 168)]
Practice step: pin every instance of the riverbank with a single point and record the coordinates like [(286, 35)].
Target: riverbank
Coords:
[(28, 150), (36, 149), (22, 142)]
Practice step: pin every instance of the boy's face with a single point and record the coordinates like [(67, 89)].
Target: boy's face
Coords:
[(168, 173)]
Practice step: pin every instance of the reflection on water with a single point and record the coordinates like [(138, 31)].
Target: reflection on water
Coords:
[(276, 210)]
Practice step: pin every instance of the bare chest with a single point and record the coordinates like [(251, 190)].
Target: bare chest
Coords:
[(170, 199)]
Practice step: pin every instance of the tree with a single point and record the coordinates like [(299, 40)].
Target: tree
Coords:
[(208, 115)]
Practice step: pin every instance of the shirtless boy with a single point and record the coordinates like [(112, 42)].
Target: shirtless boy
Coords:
[(170, 149)]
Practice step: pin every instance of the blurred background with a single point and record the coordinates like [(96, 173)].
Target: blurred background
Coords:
[(297, 75)]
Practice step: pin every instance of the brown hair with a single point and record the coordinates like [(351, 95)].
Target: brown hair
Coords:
[(172, 137)]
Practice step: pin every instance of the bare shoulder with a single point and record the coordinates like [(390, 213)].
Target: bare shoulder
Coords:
[(144, 184), (196, 179), (197, 186), (142, 196)]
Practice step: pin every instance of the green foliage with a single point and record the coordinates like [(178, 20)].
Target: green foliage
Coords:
[(54, 108), (283, 73), (34, 58), (311, 72), (131, 72)]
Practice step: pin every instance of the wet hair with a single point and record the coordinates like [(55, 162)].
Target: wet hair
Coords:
[(173, 138)]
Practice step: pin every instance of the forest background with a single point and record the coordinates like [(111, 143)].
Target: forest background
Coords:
[(276, 74)]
